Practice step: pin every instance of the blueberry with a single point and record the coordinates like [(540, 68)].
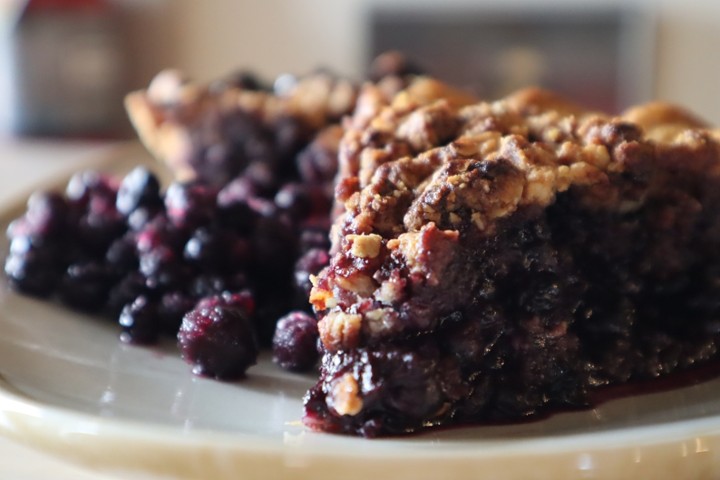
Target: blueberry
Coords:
[(125, 291), (121, 255), (85, 285), (139, 322), (96, 230), (172, 308), (260, 174), (216, 250), (242, 300), (273, 246), (207, 285), (139, 188), (86, 185), (163, 268), (310, 263), (232, 202), (295, 199), (159, 232), (219, 342), (291, 134), (317, 163), (47, 215), (34, 272), (190, 205), (294, 344), (142, 216)]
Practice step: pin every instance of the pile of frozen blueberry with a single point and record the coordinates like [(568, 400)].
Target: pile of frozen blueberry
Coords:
[(215, 267)]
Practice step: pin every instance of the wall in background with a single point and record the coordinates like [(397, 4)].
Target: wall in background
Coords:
[(277, 36)]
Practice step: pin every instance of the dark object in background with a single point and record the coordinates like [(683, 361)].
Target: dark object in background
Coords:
[(601, 57), (64, 70)]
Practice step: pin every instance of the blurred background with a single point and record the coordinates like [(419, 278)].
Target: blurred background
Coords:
[(66, 64)]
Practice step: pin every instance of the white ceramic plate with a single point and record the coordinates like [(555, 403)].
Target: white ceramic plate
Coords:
[(67, 386)]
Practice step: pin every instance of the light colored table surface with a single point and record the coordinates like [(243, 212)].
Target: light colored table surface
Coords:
[(23, 166)]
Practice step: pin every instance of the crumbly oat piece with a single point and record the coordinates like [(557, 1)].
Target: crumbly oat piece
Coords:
[(523, 251)]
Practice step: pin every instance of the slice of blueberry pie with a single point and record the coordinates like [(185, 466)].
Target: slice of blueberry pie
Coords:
[(494, 260)]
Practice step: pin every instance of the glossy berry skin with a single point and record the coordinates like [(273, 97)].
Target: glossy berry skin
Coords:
[(244, 301), (218, 342), (217, 250), (139, 322), (295, 341), (206, 285), (301, 201), (232, 203), (295, 199), (33, 272), (89, 185), (172, 308), (127, 289), (85, 285), (47, 215), (121, 255), (139, 188), (310, 263), (190, 205)]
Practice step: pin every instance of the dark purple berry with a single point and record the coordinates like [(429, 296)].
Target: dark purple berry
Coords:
[(159, 233), (87, 185), (291, 135), (295, 199), (207, 285), (232, 201), (97, 229), (310, 263), (273, 248), (172, 308), (206, 248), (317, 163), (34, 272), (125, 291), (142, 216), (139, 188), (262, 207), (261, 176), (190, 205), (301, 201), (214, 250), (121, 255), (163, 268), (243, 300), (239, 189), (294, 344), (139, 322), (218, 342), (47, 215), (86, 285)]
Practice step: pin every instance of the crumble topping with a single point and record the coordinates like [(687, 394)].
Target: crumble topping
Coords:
[(339, 329), (365, 246), (345, 398), (417, 172)]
